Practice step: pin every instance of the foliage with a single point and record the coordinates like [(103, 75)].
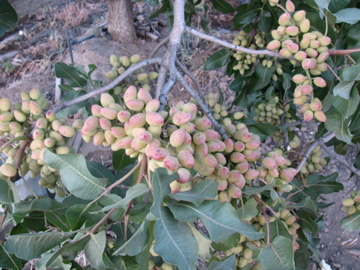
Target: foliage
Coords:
[(177, 191)]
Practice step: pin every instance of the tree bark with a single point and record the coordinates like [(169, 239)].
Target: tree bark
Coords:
[(120, 21)]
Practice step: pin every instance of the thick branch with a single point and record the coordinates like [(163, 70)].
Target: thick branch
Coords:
[(230, 45), (202, 105), (111, 85), (344, 52)]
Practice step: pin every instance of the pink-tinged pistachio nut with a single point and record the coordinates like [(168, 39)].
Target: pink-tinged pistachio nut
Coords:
[(189, 127), (202, 124), (314, 44), (210, 161), (6, 116), (284, 19), (137, 131), (95, 110), (216, 146), (173, 110), (177, 138), (118, 132), (243, 166), (35, 108), (123, 116), (240, 182), (229, 145), (137, 145), (78, 124), (315, 105), (285, 52), (105, 123), (222, 172), (239, 146), (251, 174), (221, 159), (135, 104), (299, 79), (235, 192), (4, 126), (98, 138), (154, 119), (322, 57), (186, 159), (274, 172), (279, 159), (106, 99), (130, 93), (322, 49), (319, 82), (324, 41), (269, 163), (152, 146), (125, 142), (320, 67), (234, 176), (275, 34), (137, 120), (297, 91), (273, 45), (262, 172), (38, 134), (190, 108), (181, 118), (152, 106), (8, 170), (304, 25), (109, 113), (223, 184), (202, 150), (159, 154), (152, 165), (237, 157), (184, 175), (309, 63), (320, 116), (306, 89), (91, 124), (308, 115), (144, 95), (145, 137), (281, 30), (238, 135), (62, 150), (300, 55), (175, 187), (289, 5), (253, 144), (155, 131), (300, 100), (310, 52), (252, 155), (5, 104), (299, 15), (25, 106), (211, 135), (188, 139), (287, 174), (293, 47), (171, 163), (199, 138), (187, 147)]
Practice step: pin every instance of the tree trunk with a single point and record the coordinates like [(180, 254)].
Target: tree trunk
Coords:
[(120, 21)]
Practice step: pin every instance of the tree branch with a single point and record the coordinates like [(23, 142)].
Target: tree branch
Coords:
[(202, 105), (232, 46), (111, 85)]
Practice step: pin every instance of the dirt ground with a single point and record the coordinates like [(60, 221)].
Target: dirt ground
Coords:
[(27, 61)]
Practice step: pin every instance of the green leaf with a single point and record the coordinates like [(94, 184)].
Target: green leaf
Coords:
[(278, 255), (57, 263), (94, 250), (6, 194), (246, 13), (249, 210), (351, 73), (75, 175), (335, 122), (70, 73), (322, 4), (286, 81), (206, 189), (219, 218), (161, 181), (32, 245), (302, 256), (262, 77), (132, 193), (343, 89), (174, 240), (257, 190), (228, 263), (347, 107), (120, 160), (277, 228), (351, 222), (348, 15), (336, 5), (78, 214), (217, 59), (56, 216), (8, 17), (9, 261), (100, 171), (222, 6), (136, 243), (306, 221), (264, 130), (21, 209)]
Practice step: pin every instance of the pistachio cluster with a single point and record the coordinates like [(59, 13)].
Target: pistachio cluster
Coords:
[(352, 203), (119, 65), (292, 39)]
